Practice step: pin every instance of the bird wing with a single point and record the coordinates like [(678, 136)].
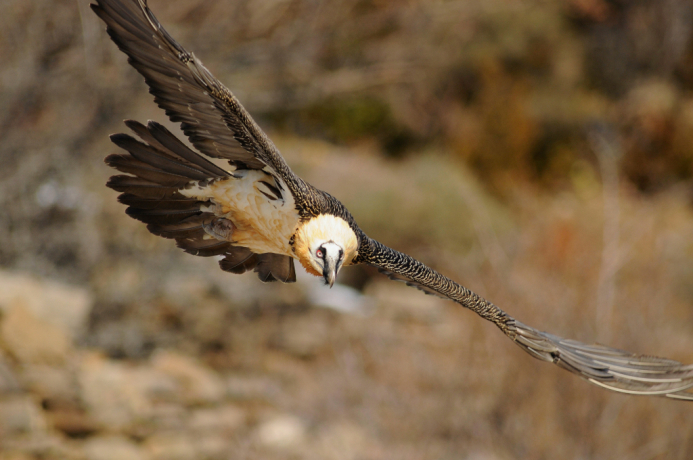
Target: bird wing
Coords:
[(157, 168), (607, 367), (210, 115)]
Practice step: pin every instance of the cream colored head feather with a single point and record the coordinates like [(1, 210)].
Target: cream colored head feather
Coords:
[(319, 230)]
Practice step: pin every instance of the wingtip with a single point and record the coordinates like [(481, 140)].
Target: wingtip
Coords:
[(112, 158), (609, 368), (155, 126), (99, 11), (120, 138), (132, 124)]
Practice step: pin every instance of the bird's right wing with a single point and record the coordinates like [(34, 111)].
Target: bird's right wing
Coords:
[(210, 115), (607, 367)]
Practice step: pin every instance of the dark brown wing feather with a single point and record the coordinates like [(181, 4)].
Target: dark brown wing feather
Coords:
[(610, 368), (274, 267), (238, 260), (152, 196), (212, 118), (269, 267), (161, 167)]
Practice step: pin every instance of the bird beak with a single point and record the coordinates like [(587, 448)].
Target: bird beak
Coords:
[(330, 274), (329, 271)]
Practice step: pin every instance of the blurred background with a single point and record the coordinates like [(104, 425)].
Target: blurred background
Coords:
[(538, 151)]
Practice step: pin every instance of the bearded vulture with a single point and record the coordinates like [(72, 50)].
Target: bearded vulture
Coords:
[(258, 215)]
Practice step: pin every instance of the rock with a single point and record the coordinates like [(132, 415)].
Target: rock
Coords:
[(72, 421), (38, 444), (169, 416), (8, 381), (479, 454), (123, 338), (66, 307), (111, 392), (341, 441), (184, 290), (253, 388), (32, 340), (225, 419), (52, 383), (281, 432), (154, 384), (213, 446), (303, 336), (17, 456), (112, 448), (20, 414), (171, 446), (197, 383)]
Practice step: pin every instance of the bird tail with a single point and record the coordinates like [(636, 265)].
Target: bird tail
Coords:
[(156, 170)]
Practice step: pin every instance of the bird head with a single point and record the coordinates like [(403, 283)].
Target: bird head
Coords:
[(324, 244), (327, 259)]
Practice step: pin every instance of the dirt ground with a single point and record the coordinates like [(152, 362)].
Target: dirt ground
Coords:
[(116, 345)]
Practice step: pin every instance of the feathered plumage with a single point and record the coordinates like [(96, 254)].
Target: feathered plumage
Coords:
[(253, 214)]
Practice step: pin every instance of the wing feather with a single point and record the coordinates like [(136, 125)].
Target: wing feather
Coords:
[(210, 115), (161, 165), (275, 267), (159, 137), (203, 247), (269, 267)]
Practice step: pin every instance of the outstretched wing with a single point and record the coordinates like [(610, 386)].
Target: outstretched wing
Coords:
[(156, 169), (210, 115), (607, 367)]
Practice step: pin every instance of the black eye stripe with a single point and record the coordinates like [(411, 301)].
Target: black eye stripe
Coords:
[(322, 253)]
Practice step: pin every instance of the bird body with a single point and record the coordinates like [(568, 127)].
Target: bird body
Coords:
[(258, 215), (261, 218)]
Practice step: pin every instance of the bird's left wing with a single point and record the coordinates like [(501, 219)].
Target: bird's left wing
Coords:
[(210, 115), (610, 368)]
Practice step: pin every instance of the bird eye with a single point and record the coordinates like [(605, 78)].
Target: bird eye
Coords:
[(319, 253)]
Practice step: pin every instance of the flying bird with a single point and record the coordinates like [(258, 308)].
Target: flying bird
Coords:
[(258, 215)]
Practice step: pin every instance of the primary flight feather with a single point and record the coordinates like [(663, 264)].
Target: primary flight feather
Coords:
[(260, 216)]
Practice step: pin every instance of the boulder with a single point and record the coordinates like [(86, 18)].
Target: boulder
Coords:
[(197, 383), (171, 446), (64, 306), (111, 392), (281, 432), (226, 419), (20, 414), (32, 340), (8, 379), (112, 448)]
